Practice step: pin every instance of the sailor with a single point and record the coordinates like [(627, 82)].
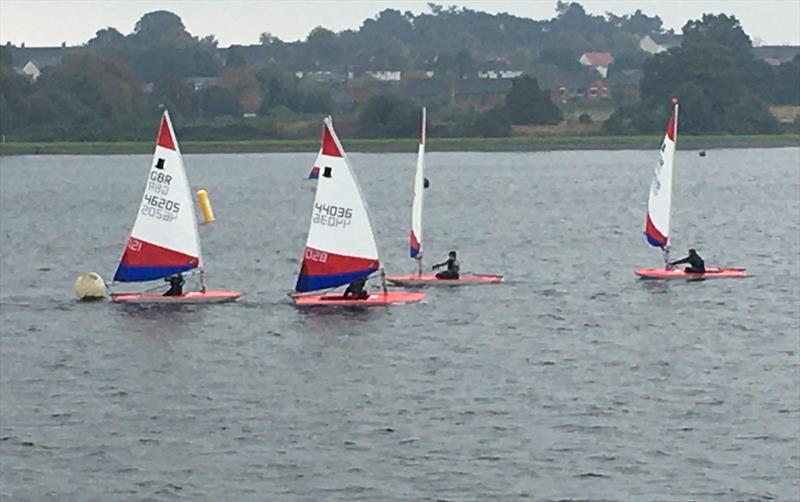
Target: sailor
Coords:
[(696, 264), (176, 283), (356, 289), (453, 267)]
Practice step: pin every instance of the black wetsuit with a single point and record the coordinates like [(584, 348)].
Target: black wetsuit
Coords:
[(453, 268), (696, 264), (175, 286), (356, 289)]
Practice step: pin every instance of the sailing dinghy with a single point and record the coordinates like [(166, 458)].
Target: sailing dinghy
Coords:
[(341, 246), (659, 206), (415, 236), (164, 240)]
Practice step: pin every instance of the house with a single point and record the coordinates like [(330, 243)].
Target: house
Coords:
[(31, 61), (385, 75), (659, 42), (481, 94), (321, 76), (597, 60), (31, 71), (597, 89), (625, 82), (495, 74), (424, 89), (776, 55), (200, 83), (567, 86), (41, 57), (416, 74)]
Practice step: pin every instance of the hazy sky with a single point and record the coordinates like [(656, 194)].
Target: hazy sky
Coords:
[(50, 22)]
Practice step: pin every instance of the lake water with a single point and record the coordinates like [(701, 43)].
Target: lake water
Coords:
[(573, 380)]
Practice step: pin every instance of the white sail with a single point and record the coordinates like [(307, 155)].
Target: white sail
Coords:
[(164, 240), (341, 246), (415, 237), (660, 199)]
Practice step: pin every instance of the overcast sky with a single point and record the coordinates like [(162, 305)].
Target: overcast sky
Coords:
[(50, 22)]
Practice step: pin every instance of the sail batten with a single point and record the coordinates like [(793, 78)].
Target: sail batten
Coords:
[(164, 239), (340, 247), (659, 202)]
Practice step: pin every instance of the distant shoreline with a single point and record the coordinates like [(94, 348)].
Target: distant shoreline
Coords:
[(509, 144)]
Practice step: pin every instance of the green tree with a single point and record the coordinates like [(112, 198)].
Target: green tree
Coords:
[(787, 83), (715, 77), (161, 28), (14, 94), (84, 87), (235, 58), (388, 116), (217, 101), (493, 123), (528, 104)]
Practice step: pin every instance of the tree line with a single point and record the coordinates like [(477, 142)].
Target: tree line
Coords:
[(114, 86)]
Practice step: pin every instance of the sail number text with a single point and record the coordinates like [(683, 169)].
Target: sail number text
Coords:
[(315, 255), (158, 183), (160, 208), (331, 216)]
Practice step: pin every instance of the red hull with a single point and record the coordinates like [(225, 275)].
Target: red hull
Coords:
[(209, 296), (374, 299), (710, 273), (431, 280)]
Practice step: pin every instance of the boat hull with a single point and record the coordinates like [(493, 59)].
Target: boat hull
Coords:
[(710, 273), (209, 296), (374, 300), (431, 280)]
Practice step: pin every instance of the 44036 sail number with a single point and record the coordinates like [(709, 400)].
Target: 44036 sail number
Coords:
[(331, 216)]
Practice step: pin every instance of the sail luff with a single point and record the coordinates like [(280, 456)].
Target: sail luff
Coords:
[(415, 236), (659, 203), (188, 188)]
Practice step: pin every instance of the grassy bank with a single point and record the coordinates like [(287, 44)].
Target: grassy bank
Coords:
[(510, 144)]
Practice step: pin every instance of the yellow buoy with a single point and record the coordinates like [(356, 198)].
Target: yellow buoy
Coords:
[(90, 287), (205, 206)]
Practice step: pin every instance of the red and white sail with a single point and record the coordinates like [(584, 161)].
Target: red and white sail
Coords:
[(164, 240), (415, 236), (341, 246), (660, 199)]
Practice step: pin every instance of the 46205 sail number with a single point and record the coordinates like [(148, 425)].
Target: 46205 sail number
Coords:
[(160, 208)]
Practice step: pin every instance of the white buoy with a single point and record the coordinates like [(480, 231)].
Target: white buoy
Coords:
[(90, 287)]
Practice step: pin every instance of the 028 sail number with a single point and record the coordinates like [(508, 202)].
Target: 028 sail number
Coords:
[(331, 216), (315, 255)]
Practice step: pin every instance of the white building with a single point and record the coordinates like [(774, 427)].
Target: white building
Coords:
[(385, 75), (31, 71)]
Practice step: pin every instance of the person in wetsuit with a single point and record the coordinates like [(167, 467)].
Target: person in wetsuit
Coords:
[(696, 264), (453, 267), (176, 283), (356, 289)]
